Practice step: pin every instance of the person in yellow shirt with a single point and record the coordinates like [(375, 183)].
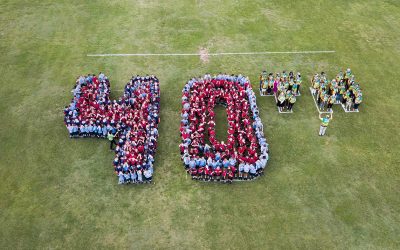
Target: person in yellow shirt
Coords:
[(298, 81), (263, 76), (292, 100), (358, 100), (281, 101), (331, 101), (349, 103), (324, 123), (314, 84), (264, 86), (287, 97)]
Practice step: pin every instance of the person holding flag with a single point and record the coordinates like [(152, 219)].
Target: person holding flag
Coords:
[(324, 123)]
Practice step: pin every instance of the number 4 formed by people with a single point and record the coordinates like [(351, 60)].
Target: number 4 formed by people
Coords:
[(133, 118)]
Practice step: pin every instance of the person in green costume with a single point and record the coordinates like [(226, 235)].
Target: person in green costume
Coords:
[(324, 123)]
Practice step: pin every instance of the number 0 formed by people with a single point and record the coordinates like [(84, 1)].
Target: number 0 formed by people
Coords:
[(133, 119), (245, 154)]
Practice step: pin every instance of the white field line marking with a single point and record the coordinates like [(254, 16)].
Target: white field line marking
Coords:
[(218, 54), (316, 105)]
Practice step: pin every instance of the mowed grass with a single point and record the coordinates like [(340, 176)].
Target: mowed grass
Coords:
[(339, 191)]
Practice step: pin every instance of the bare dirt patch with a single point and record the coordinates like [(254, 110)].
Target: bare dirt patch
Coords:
[(204, 55)]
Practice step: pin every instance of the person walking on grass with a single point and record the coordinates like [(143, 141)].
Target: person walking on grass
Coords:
[(324, 123), (111, 137)]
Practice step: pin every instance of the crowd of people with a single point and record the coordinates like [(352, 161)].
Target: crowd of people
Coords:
[(130, 123), (285, 87), (342, 90), (245, 153)]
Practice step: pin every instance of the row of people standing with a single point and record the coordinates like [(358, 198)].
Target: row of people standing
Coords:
[(343, 89), (284, 86)]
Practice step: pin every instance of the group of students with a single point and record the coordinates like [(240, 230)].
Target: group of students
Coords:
[(130, 123), (284, 86), (342, 90), (245, 154)]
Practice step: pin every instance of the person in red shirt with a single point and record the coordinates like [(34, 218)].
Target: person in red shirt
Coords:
[(193, 173), (211, 174), (230, 176), (200, 173), (224, 174), (218, 173)]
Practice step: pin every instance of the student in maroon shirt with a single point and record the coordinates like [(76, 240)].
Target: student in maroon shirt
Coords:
[(218, 173)]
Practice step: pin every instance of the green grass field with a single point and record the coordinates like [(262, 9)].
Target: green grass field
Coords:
[(340, 191)]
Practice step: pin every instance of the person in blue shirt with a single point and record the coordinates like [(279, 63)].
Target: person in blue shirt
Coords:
[(214, 164), (81, 79), (75, 130), (252, 171), (217, 156), (70, 130), (241, 169), (192, 163), (207, 148), (120, 178), (139, 176), (150, 168), (116, 161), (127, 177), (225, 163), (186, 160), (259, 166), (90, 129), (133, 176), (198, 161), (232, 162), (87, 132), (94, 130), (148, 176), (203, 162), (118, 168), (82, 130), (125, 167), (99, 131), (101, 76), (104, 130), (246, 169)]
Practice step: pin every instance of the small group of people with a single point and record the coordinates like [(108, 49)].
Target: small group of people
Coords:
[(129, 123), (245, 154), (343, 89), (284, 86)]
